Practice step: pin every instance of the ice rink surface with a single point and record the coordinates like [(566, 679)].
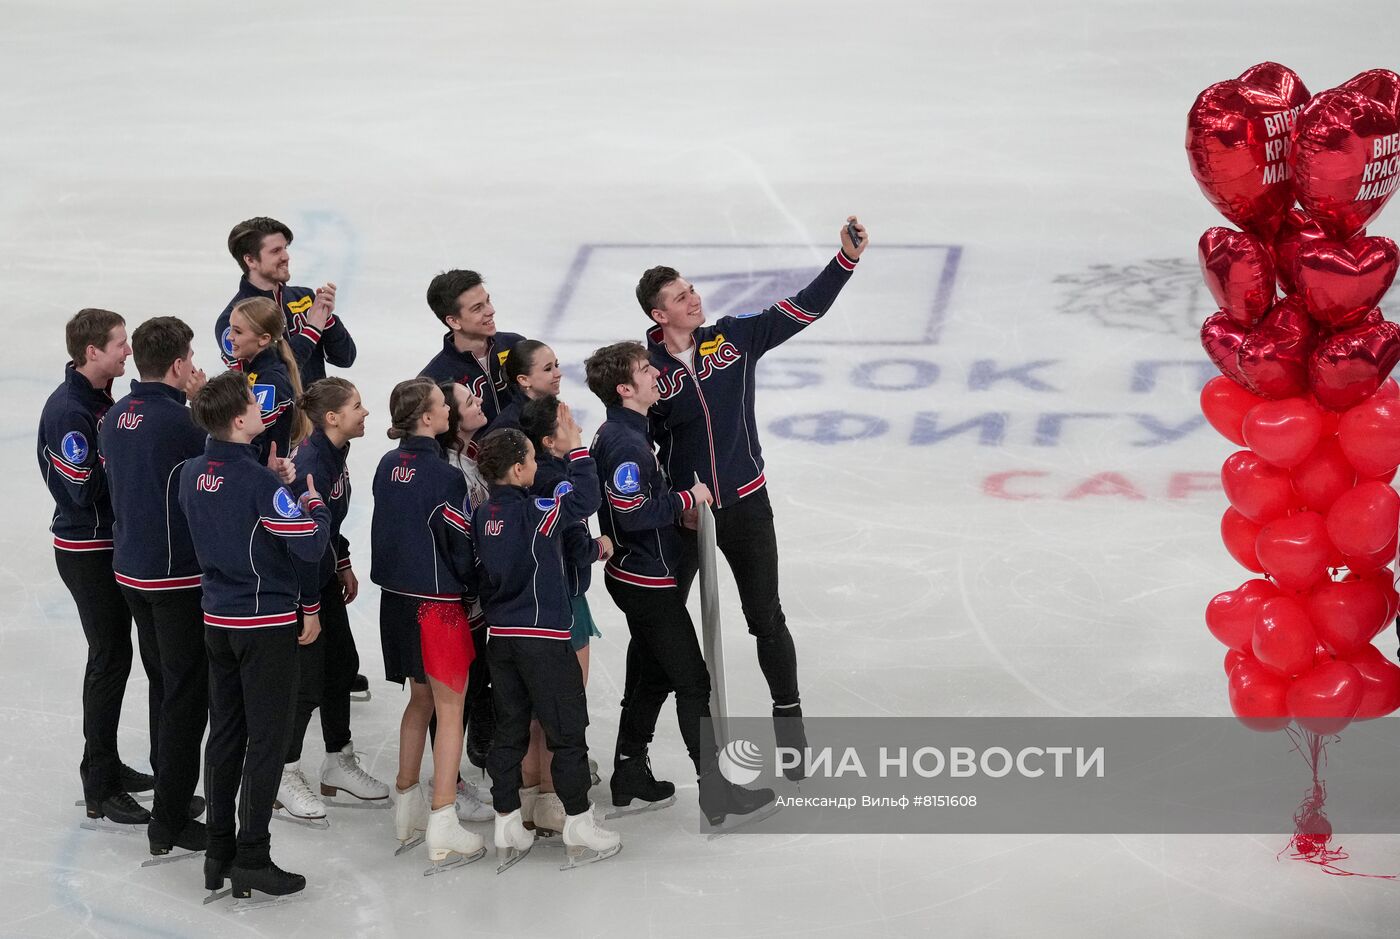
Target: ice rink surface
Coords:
[(994, 492)]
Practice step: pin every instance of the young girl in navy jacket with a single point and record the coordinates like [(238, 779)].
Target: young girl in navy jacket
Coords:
[(420, 560), (258, 339), (328, 665)]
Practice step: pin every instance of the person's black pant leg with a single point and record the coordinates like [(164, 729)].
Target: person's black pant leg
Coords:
[(550, 671), (340, 664), (511, 700), (744, 533), (106, 625), (227, 743), (664, 655), (268, 669), (311, 660), (176, 622)]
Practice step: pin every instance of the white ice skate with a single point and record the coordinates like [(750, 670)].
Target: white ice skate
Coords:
[(410, 818), (341, 773), (470, 806), (513, 842), (528, 797), (449, 844), (296, 802), (549, 815), (585, 842)]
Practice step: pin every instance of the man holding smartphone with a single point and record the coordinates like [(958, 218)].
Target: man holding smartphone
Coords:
[(705, 427)]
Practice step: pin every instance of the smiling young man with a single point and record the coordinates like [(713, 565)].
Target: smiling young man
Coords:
[(473, 351), (704, 426), (82, 537), (316, 334)]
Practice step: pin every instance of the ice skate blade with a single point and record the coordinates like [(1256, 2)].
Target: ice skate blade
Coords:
[(409, 845), (111, 827), (509, 857), (354, 803), (578, 856), (453, 861), (739, 822), (282, 815), (626, 810), (170, 857), (147, 797), (260, 901), (217, 895), (360, 696)]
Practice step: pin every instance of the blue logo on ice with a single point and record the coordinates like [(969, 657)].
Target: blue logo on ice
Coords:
[(74, 446), (226, 340), (627, 478), (286, 504), (266, 395), (740, 762)]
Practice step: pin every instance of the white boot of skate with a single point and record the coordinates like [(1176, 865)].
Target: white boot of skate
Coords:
[(528, 798), (513, 842), (449, 844), (470, 808), (410, 817), (296, 801), (585, 842), (341, 772), (549, 814)]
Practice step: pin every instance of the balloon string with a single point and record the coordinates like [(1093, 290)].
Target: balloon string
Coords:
[(1310, 845)]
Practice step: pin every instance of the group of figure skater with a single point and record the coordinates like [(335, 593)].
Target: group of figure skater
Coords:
[(210, 511)]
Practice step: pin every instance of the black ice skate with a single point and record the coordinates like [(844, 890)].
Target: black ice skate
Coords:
[(632, 781), (359, 689), (134, 781), (789, 732), (256, 887), (191, 840), (116, 813), (216, 871), (721, 800)]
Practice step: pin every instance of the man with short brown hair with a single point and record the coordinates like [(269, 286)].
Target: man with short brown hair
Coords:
[(82, 539)]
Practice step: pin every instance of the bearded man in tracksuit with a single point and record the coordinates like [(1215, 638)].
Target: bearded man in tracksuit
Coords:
[(704, 426)]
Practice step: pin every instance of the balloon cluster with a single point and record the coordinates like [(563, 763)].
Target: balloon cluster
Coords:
[(1305, 358)]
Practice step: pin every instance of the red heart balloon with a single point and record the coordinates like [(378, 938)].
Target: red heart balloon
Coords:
[(1295, 550), (1340, 282), (1273, 356), (1237, 139), (1297, 231), (1363, 521), (1323, 476), (1327, 698), (1370, 563), (1230, 616), (1233, 657), (1369, 434), (1345, 614), (1381, 84), (1225, 402), (1222, 337), (1239, 272), (1283, 432), (1349, 366), (1240, 535), (1283, 638), (1258, 697), (1345, 159), (1384, 581), (1258, 491), (1380, 682)]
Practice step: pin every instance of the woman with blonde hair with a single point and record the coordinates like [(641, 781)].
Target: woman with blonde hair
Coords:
[(257, 338)]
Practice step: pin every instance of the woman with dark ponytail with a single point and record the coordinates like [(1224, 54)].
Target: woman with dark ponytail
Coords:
[(532, 369), (421, 559), (328, 665), (257, 338)]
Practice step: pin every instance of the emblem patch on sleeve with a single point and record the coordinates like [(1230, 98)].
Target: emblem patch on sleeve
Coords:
[(74, 447), (285, 503), (627, 478)]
